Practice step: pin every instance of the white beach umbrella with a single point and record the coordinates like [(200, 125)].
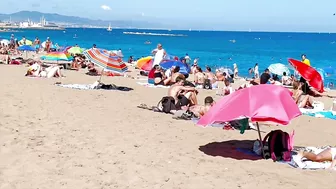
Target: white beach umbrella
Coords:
[(278, 69), (5, 42)]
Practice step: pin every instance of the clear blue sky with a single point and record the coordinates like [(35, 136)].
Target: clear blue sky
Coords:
[(279, 15)]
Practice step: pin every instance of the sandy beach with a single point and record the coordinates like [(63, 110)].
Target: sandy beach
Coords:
[(54, 137)]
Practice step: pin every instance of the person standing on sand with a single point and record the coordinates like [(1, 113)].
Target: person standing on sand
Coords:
[(159, 53), (256, 71), (235, 70), (48, 45), (183, 95)]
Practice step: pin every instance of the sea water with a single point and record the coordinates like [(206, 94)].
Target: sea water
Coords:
[(214, 48)]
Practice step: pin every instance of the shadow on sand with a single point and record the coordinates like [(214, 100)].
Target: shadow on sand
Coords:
[(235, 149)]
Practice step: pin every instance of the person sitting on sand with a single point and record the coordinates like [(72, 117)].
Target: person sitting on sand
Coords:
[(159, 77), (328, 154), (183, 95), (220, 75), (200, 110), (285, 80), (227, 88), (303, 101), (199, 77), (168, 72), (176, 73), (211, 76)]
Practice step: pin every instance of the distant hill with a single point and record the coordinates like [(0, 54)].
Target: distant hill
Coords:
[(57, 18)]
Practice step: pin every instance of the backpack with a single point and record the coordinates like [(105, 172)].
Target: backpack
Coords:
[(280, 145), (167, 104), (207, 84)]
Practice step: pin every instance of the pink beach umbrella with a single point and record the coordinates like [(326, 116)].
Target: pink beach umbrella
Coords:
[(260, 103)]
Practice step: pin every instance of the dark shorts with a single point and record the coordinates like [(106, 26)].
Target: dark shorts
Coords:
[(182, 101), (160, 83)]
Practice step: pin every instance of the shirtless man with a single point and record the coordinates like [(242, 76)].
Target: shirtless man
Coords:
[(175, 74), (200, 110), (184, 96)]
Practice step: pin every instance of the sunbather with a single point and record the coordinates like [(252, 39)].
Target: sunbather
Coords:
[(159, 77), (184, 96), (328, 154), (303, 101), (200, 110)]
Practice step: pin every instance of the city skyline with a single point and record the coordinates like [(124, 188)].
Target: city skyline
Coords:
[(259, 15)]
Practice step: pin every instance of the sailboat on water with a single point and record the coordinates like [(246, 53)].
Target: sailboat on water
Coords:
[(109, 28)]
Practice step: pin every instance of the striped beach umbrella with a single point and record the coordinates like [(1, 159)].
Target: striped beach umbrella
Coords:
[(145, 63), (57, 56), (105, 59)]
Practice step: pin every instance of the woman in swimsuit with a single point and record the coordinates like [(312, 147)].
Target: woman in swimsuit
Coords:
[(328, 154), (199, 77), (303, 101), (159, 77)]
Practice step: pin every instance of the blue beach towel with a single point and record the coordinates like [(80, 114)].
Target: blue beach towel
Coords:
[(324, 114)]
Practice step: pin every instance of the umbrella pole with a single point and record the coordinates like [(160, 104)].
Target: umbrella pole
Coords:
[(261, 141)]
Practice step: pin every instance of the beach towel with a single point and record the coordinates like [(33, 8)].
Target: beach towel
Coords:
[(323, 114), (93, 87), (146, 84), (298, 162)]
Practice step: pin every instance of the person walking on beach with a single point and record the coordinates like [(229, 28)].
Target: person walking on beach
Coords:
[(235, 70), (305, 60), (256, 71), (37, 44), (159, 53)]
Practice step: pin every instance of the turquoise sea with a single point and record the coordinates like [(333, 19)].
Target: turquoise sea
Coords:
[(214, 48)]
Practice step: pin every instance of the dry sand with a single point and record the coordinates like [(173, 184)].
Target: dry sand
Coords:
[(54, 137)]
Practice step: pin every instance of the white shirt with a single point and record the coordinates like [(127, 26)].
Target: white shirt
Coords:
[(158, 57), (187, 59), (168, 73), (256, 70)]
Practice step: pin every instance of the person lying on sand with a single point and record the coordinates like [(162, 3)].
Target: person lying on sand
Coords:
[(200, 110), (303, 101), (94, 72), (183, 95), (36, 70), (328, 154)]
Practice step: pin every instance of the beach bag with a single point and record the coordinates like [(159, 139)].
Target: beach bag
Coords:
[(207, 84), (167, 104), (280, 145)]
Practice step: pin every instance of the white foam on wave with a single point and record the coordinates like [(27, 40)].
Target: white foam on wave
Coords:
[(155, 34)]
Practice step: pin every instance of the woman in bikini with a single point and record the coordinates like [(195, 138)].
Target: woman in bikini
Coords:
[(303, 101), (199, 77), (328, 154), (159, 77)]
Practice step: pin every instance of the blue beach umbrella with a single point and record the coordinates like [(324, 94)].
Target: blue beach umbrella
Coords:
[(184, 68), (26, 48), (329, 70)]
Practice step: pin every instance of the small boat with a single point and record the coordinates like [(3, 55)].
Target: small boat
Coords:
[(148, 42), (109, 28)]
